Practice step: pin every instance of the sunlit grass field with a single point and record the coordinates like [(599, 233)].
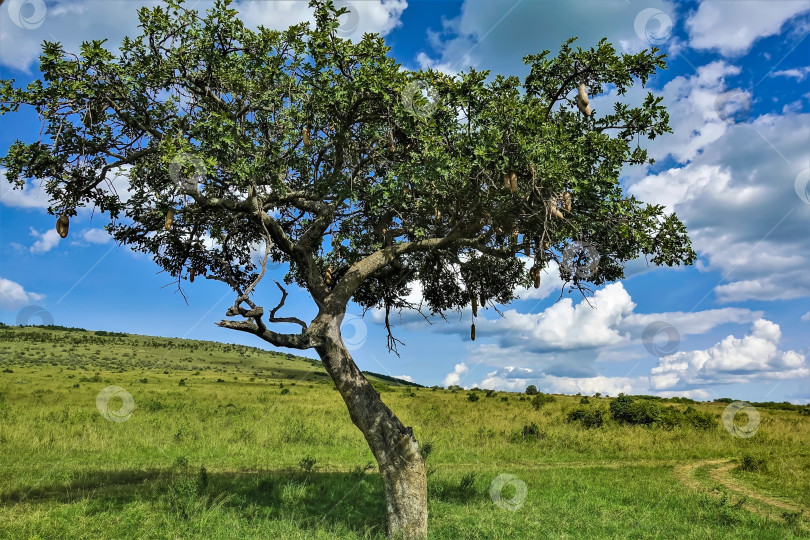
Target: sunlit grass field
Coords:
[(225, 441)]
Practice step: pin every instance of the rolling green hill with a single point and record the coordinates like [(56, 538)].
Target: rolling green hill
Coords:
[(88, 350)]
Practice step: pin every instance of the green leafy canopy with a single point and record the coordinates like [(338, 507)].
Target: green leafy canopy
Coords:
[(328, 155)]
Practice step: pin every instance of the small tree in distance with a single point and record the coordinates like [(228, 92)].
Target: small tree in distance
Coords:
[(326, 156), (531, 390)]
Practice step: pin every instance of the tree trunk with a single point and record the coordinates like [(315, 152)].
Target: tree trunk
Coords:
[(402, 467)]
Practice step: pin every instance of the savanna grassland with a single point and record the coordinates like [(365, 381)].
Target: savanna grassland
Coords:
[(226, 441)]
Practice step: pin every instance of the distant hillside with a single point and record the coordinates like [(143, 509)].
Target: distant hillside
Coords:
[(105, 350)]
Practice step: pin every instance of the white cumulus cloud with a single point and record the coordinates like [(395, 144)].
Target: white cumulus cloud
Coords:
[(733, 27), (45, 241), (71, 22), (455, 376), (14, 295), (755, 356), (96, 236)]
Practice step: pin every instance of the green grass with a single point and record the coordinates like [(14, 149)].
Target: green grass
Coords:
[(65, 471)]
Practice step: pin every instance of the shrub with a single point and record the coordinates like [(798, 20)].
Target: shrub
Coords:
[(752, 464), (588, 417), (531, 431), (285, 391), (584, 400), (541, 399), (472, 396), (490, 393), (700, 420), (531, 390), (636, 412), (671, 418)]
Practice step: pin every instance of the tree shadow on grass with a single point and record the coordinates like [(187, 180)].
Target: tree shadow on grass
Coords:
[(313, 500)]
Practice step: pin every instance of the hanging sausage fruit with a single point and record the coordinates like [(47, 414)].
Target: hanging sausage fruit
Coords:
[(552, 208), (534, 274), (583, 102), (62, 225)]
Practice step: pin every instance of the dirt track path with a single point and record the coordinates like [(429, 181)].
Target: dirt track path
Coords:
[(721, 476), (719, 472)]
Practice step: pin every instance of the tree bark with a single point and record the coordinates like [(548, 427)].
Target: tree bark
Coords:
[(402, 467)]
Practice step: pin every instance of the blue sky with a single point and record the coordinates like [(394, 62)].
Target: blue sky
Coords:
[(736, 170)]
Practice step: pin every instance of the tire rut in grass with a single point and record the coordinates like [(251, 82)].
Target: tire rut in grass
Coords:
[(719, 472)]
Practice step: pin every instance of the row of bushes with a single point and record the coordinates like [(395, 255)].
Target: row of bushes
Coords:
[(644, 412)]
